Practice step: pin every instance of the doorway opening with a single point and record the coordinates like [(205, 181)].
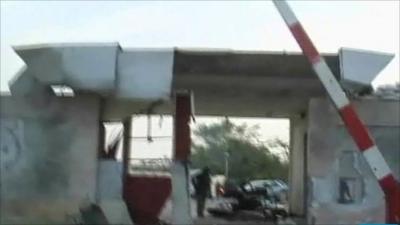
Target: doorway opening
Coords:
[(249, 160)]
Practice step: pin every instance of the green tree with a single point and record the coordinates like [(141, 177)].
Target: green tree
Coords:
[(248, 157)]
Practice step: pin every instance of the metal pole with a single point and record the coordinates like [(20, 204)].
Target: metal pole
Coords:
[(226, 165)]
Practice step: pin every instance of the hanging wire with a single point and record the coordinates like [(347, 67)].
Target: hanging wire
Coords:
[(149, 138)]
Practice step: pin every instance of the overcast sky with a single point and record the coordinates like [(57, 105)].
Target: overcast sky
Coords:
[(236, 25)]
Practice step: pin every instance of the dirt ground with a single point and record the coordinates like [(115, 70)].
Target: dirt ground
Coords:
[(240, 218)]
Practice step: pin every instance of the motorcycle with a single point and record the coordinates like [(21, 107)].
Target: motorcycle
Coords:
[(246, 197)]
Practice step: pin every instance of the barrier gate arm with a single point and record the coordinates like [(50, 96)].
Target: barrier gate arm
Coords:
[(354, 125)]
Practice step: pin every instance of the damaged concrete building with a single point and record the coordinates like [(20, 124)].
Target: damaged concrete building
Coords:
[(52, 169)]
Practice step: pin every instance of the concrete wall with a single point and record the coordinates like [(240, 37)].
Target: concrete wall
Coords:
[(109, 192), (48, 158), (333, 157)]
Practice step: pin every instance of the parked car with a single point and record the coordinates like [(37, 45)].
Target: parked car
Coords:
[(282, 184), (276, 188)]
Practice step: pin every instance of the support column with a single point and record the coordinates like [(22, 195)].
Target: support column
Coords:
[(181, 211), (100, 150), (297, 170), (126, 154)]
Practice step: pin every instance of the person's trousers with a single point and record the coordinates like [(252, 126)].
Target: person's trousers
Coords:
[(201, 202)]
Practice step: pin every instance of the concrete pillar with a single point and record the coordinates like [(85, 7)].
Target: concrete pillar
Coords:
[(100, 148), (181, 212), (126, 154), (297, 170)]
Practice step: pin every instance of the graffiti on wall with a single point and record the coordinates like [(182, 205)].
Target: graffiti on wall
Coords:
[(11, 144)]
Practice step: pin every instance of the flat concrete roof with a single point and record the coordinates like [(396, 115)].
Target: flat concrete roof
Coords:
[(240, 83), (248, 63), (236, 83)]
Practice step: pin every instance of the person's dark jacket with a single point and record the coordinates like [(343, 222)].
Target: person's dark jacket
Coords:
[(201, 184)]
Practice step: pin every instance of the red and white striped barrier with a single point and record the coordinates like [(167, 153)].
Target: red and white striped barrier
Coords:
[(354, 125)]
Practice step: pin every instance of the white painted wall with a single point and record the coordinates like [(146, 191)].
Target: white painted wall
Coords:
[(105, 69), (109, 192)]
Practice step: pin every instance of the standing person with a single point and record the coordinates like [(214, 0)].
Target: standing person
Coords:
[(201, 184)]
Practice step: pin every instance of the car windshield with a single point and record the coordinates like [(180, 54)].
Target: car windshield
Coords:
[(281, 183), (260, 183)]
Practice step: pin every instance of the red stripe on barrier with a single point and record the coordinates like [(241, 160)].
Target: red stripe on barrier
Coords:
[(388, 184), (305, 42), (391, 188), (356, 128), (392, 195)]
